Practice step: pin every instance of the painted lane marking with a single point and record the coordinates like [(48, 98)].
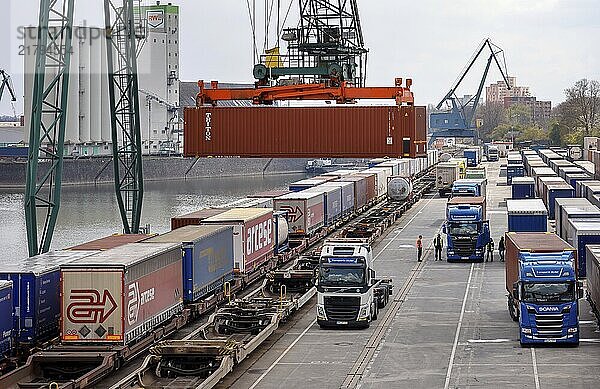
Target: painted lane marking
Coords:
[(535, 369), (458, 327), (489, 340), (287, 350)]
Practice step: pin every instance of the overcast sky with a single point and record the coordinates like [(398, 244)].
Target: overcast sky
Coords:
[(549, 44)]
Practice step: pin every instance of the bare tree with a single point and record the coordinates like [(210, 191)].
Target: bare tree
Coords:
[(492, 115), (583, 105)]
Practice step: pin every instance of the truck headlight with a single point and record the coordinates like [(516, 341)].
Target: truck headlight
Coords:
[(572, 330), (321, 312), (526, 330), (364, 312)]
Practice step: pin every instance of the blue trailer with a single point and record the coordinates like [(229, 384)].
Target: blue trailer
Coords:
[(513, 171), (523, 188), (580, 233), (6, 319), (36, 289), (14, 152), (554, 192), (347, 189), (472, 156), (528, 215), (332, 201), (207, 258)]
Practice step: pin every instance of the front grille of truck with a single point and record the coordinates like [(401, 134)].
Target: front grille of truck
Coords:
[(342, 308), (549, 326), (464, 247)]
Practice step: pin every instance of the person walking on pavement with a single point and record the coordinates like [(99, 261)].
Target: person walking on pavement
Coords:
[(490, 251), (438, 244), (501, 248), (420, 248)]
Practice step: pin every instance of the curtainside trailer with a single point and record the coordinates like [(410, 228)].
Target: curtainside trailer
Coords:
[(117, 296), (581, 233), (347, 189), (332, 200), (523, 188), (253, 232), (593, 278), (35, 297), (207, 258), (6, 319)]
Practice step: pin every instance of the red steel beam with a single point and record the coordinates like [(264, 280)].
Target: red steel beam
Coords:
[(341, 94)]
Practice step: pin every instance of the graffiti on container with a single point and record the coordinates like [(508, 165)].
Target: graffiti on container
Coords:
[(136, 300), (90, 306), (294, 214), (259, 236)]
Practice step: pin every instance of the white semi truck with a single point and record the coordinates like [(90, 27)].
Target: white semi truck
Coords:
[(348, 293)]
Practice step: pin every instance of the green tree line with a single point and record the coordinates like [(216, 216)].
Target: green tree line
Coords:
[(576, 117)]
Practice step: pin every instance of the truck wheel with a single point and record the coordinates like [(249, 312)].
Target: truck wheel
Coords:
[(375, 312), (512, 310)]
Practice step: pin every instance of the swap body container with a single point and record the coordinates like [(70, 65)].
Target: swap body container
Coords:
[(523, 188), (111, 242), (564, 170), (544, 182), (305, 211), (393, 164), (305, 184), (533, 163), (253, 235), (207, 258), (382, 176), (360, 190), (556, 164), (573, 178), (557, 191), (513, 171), (580, 233), (593, 277), (572, 208), (590, 189), (332, 201), (543, 176), (6, 318), (117, 296), (529, 215), (518, 243), (195, 218), (371, 183), (305, 132), (248, 202), (36, 290), (347, 195)]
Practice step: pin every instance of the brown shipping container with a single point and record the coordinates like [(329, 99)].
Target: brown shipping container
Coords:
[(112, 241), (119, 295), (194, 218), (303, 132), (371, 179), (360, 190), (531, 242)]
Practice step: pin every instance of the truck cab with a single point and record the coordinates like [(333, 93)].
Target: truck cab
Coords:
[(492, 154), (546, 298), (466, 228), (348, 294)]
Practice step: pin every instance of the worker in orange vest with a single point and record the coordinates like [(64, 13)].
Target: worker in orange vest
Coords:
[(420, 248)]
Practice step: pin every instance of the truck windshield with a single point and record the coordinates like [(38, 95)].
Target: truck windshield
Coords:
[(460, 229), (548, 292), (341, 275)]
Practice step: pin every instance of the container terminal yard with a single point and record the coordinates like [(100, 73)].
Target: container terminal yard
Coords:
[(443, 259)]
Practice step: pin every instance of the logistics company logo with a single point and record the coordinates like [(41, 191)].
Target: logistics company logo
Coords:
[(294, 214), (208, 126), (156, 18), (259, 236), (548, 309), (90, 306), (136, 300)]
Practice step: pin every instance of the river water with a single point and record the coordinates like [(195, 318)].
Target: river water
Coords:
[(89, 212)]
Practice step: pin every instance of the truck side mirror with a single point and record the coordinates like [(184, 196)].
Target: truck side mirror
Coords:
[(444, 228)]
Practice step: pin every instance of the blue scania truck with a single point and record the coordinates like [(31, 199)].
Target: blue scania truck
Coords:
[(466, 228), (543, 290)]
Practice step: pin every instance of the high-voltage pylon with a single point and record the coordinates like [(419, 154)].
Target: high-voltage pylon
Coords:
[(49, 115), (327, 46)]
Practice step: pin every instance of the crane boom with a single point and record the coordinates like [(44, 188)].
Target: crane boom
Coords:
[(7, 83)]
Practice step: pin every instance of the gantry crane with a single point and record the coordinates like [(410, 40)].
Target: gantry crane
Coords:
[(6, 82), (326, 46), (458, 122), (49, 114)]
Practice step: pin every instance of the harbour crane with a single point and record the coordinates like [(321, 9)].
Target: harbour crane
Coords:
[(124, 24), (6, 83), (458, 122)]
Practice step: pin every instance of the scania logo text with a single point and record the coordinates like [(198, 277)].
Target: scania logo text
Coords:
[(548, 309)]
